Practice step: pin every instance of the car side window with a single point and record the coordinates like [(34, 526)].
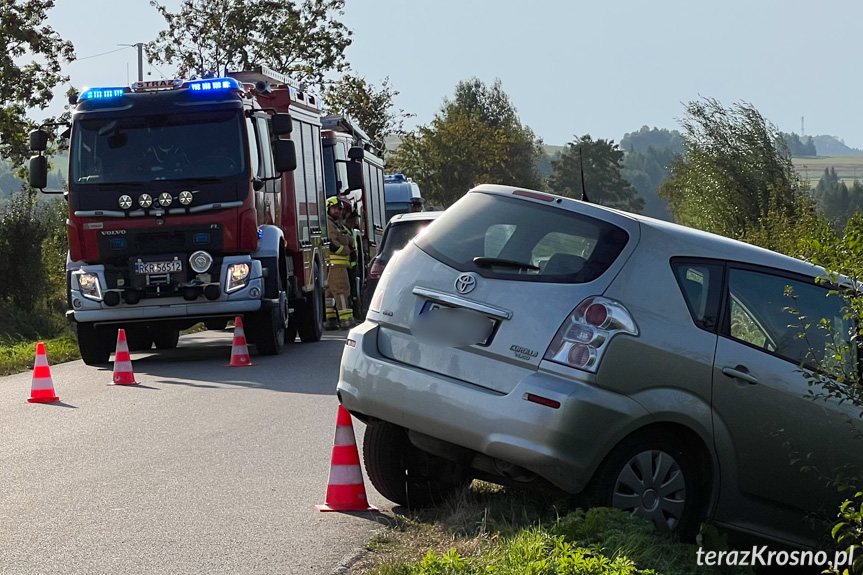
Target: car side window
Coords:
[(700, 284), (797, 320)]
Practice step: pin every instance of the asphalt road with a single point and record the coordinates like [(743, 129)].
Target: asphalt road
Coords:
[(201, 468)]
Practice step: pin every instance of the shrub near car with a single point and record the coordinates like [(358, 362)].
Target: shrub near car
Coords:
[(650, 366)]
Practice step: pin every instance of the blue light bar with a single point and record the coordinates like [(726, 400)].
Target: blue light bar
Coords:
[(102, 93), (214, 85)]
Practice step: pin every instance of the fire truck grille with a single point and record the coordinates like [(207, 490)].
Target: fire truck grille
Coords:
[(160, 242)]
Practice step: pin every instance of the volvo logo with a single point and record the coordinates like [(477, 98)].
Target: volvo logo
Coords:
[(465, 283)]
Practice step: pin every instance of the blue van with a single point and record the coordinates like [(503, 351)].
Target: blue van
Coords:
[(399, 191)]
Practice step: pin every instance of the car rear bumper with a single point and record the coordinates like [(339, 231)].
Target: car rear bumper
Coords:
[(563, 445)]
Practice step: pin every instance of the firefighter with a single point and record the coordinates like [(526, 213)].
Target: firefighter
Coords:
[(339, 288), (350, 219)]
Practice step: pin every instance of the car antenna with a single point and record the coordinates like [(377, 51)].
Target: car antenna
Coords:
[(584, 197)]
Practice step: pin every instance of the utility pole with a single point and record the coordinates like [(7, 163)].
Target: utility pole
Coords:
[(140, 46)]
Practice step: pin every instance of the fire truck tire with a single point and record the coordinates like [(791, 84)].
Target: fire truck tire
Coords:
[(310, 314), (165, 338), (269, 328), (139, 338), (95, 344)]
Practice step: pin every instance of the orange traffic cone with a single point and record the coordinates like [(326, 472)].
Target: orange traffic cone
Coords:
[(239, 350), (123, 374), (43, 386), (345, 489)]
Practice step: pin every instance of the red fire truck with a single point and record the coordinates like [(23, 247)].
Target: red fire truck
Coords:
[(347, 148), (193, 201)]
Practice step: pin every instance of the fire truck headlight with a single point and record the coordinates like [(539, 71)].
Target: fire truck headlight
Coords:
[(125, 202), (185, 198), (165, 199), (200, 261), (145, 200), (89, 284), (238, 277)]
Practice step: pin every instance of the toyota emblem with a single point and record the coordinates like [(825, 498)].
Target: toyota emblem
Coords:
[(465, 283)]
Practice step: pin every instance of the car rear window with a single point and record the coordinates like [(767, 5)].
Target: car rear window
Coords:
[(398, 235), (502, 237)]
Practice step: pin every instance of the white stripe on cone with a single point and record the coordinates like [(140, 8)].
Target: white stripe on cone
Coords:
[(344, 436), (346, 475), (42, 383)]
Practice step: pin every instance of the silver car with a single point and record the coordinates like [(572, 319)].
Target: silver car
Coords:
[(530, 338)]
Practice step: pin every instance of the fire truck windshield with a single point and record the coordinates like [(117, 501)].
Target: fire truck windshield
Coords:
[(134, 149)]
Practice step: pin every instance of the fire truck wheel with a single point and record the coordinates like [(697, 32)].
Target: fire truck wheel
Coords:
[(310, 314), (95, 344), (139, 338), (165, 338), (270, 325)]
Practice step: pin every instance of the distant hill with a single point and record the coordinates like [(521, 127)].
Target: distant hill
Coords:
[(833, 146)]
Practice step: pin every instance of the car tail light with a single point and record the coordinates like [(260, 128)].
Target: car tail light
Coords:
[(376, 269), (584, 336)]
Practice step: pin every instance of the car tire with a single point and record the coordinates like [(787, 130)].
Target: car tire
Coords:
[(654, 477), (401, 472)]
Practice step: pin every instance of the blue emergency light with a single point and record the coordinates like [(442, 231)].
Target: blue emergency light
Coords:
[(102, 93), (214, 85)]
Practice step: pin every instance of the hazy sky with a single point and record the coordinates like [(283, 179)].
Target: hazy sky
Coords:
[(570, 67)]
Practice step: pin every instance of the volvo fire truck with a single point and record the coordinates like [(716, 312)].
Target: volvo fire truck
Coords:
[(189, 201), (353, 170)]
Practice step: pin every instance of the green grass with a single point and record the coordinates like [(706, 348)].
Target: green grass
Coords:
[(486, 529), (17, 357)]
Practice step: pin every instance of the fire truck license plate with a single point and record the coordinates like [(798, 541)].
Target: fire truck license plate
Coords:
[(158, 267)]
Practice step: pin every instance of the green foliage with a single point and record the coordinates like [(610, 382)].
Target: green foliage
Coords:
[(26, 85), (475, 138), (371, 107), (655, 138), (599, 541), (797, 147), (736, 173), (303, 40), (603, 178), (646, 170), (17, 356), (33, 258)]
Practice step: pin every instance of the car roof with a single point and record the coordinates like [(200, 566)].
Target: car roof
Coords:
[(414, 216), (698, 242)]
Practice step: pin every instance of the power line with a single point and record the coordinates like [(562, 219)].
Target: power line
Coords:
[(102, 54)]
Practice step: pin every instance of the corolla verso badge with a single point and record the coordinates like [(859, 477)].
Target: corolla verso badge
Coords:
[(465, 283)]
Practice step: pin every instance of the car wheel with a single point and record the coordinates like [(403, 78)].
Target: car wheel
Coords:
[(401, 472), (653, 477), (310, 313)]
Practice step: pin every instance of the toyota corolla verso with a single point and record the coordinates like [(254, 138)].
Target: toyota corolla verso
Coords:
[(530, 338)]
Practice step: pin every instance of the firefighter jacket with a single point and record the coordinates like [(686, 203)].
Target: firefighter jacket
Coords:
[(340, 242)]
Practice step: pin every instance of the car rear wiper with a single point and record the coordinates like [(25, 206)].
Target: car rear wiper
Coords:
[(491, 262)]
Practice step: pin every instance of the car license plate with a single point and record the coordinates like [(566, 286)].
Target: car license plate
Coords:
[(143, 268), (453, 326)]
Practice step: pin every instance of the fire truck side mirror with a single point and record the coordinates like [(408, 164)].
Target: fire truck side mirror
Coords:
[(38, 140), (39, 172), (285, 155), (356, 153), (281, 124), (355, 176)]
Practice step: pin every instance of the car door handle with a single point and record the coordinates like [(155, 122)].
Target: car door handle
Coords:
[(736, 373)]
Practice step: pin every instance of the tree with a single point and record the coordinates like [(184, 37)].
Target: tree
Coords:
[(475, 138), (27, 85), (646, 170), (371, 107), (603, 180), (652, 138), (303, 40), (736, 173), (798, 147)]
